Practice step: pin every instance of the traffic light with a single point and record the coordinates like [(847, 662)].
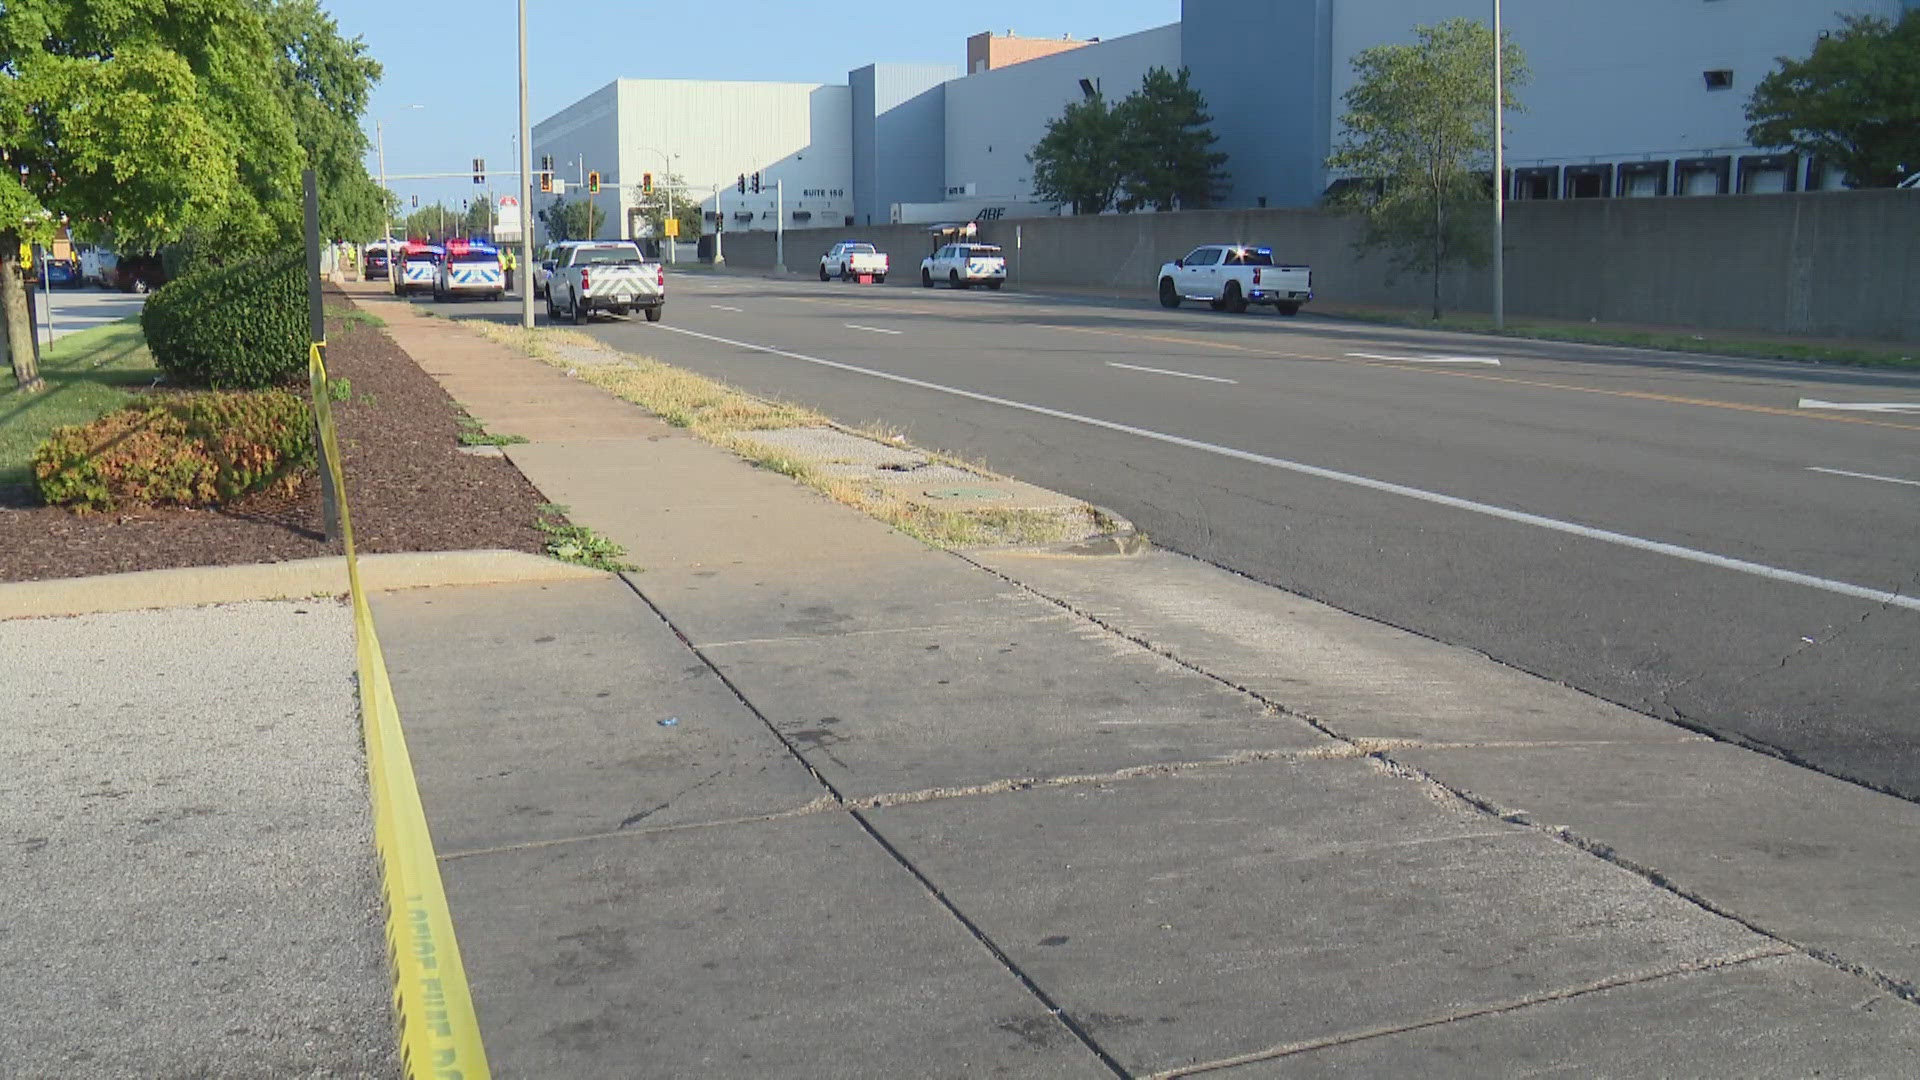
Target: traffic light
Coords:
[(479, 170), (646, 183), (743, 183), (593, 182), (546, 181), (416, 200), (756, 183)]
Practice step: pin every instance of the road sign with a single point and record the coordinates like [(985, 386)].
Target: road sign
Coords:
[(673, 227), (507, 217)]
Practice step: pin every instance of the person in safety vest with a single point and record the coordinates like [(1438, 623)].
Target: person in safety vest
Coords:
[(506, 263)]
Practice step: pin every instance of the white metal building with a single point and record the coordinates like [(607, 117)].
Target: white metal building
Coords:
[(1628, 98)]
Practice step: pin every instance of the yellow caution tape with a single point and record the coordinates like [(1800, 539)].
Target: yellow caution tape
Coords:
[(439, 1032)]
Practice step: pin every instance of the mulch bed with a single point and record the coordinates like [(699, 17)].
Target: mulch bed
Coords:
[(409, 488)]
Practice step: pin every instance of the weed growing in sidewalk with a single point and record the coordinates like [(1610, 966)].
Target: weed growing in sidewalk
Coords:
[(473, 433), (579, 544)]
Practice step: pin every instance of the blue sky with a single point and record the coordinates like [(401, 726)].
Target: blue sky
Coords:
[(458, 59)]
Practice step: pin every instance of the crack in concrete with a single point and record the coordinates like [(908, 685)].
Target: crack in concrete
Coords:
[(1499, 1009), (1019, 974), (1902, 989)]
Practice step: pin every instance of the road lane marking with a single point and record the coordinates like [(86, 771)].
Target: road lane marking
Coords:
[(871, 329), (1863, 475), (1164, 371), (1658, 547), (1862, 406), (1430, 359), (1441, 372), (722, 307)]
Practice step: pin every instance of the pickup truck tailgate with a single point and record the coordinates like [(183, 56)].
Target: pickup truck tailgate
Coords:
[(622, 283)]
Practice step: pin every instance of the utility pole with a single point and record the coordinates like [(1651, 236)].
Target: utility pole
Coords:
[(386, 198), (719, 225), (779, 226), (526, 185), (1499, 184)]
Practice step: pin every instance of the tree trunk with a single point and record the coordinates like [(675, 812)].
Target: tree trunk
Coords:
[(16, 328), (1439, 246)]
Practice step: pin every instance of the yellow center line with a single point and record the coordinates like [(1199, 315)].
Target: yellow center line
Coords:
[(1641, 395)]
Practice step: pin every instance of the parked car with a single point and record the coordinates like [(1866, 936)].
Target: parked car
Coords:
[(60, 273), (471, 268), (849, 259), (1230, 277), (137, 274), (965, 265), (413, 267), (543, 267), (606, 275), (374, 264)]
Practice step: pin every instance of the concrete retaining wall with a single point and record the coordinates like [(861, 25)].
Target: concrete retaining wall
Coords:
[(1837, 263)]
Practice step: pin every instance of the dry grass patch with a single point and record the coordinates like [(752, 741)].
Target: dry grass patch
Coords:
[(727, 417)]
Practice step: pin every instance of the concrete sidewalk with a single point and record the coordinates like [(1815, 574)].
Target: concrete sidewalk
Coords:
[(803, 797)]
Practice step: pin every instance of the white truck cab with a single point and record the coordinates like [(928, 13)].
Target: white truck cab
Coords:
[(965, 265)]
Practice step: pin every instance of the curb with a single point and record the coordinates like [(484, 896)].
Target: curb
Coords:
[(197, 586)]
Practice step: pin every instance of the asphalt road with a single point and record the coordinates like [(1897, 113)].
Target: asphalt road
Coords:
[(1696, 538), (75, 310)]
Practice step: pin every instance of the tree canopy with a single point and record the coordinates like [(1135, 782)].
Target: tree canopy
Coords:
[(1419, 135), (686, 207), (1854, 102), (1152, 149), (566, 219), (150, 122)]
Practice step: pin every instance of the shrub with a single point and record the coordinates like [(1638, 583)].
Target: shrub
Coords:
[(181, 450), (242, 326)]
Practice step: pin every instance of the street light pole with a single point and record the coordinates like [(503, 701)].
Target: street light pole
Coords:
[(526, 192), (1499, 183)]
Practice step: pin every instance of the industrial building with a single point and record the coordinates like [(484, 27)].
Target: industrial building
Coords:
[(1632, 98)]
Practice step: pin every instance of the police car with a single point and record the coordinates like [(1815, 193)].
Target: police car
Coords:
[(414, 266), (470, 268)]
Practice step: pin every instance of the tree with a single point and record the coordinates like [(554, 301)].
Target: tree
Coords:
[(1854, 102), (1077, 160), (1165, 154), (439, 221), (686, 207), (325, 80), (1419, 123), (567, 220), (105, 120)]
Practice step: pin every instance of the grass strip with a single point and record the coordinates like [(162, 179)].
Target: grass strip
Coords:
[(87, 374)]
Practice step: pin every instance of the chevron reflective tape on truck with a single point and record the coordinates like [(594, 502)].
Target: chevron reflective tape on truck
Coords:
[(433, 1009)]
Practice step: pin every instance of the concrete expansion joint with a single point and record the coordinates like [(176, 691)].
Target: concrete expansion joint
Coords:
[(834, 798), (1903, 989), (1615, 982)]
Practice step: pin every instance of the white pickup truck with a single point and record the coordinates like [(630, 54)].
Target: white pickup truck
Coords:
[(1231, 276), (849, 259), (605, 275)]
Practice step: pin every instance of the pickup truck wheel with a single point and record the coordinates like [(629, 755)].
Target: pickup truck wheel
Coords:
[(578, 311), (654, 312), (1217, 305), (879, 279), (1232, 299), (823, 273), (1288, 308), (553, 309), (926, 279), (1169, 296)]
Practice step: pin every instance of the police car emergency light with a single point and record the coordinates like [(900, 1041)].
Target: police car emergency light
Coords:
[(471, 268)]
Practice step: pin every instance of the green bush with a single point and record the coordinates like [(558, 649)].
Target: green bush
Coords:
[(241, 327), (200, 449)]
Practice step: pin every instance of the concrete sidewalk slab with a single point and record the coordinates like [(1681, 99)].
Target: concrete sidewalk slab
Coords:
[(876, 594), (576, 679), (1014, 690), (792, 948), (1363, 679), (715, 512), (1219, 913), (1775, 1016), (1828, 865)]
